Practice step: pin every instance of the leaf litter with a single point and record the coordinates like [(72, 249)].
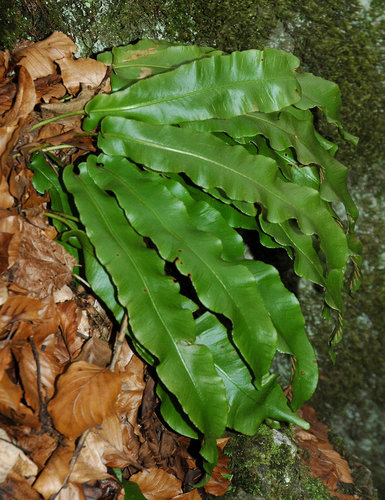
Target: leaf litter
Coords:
[(66, 420)]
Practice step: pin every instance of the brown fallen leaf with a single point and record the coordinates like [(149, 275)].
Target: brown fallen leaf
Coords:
[(38, 58), (87, 71), (9, 454), (219, 482), (72, 491), (25, 100), (121, 446), (5, 57), (13, 120), (16, 487), (85, 395), (55, 471), (130, 398), (157, 484), (49, 88), (325, 462), (49, 369), (6, 199), (43, 265), (89, 465)]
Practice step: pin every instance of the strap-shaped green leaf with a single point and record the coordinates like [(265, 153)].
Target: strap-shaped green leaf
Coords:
[(307, 263), (222, 287), (248, 406), (285, 312), (155, 308), (253, 178), (290, 128), (150, 57), (326, 95), (213, 87)]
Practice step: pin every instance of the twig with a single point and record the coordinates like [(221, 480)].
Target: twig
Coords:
[(119, 342), (27, 452), (72, 463)]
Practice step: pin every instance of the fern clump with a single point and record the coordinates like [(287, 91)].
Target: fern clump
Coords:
[(193, 145)]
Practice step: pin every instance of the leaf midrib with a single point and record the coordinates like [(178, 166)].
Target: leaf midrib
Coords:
[(188, 94), (209, 160), (112, 232), (178, 238)]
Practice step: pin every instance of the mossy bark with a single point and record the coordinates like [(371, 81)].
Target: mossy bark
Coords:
[(341, 40)]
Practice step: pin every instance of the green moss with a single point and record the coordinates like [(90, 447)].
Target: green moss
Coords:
[(268, 465)]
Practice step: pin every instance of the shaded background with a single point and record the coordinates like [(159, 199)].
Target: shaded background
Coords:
[(341, 40)]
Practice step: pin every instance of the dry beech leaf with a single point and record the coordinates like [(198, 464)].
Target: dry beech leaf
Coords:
[(85, 395), (55, 471), (68, 344), (14, 119), (90, 466), (24, 466), (16, 487), (341, 465), (6, 199), (10, 395), (39, 57), (121, 447), (157, 484), (49, 370), (3, 293), (131, 370), (40, 445), (35, 318), (9, 454), (96, 351), (72, 491), (87, 71), (49, 87), (219, 483), (43, 265), (9, 241), (5, 57), (24, 103), (325, 463)]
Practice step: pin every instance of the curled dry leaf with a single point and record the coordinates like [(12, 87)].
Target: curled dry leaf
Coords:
[(219, 483), (25, 100), (39, 58), (9, 454), (325, 463), (55, 471), (6, 199), (89, 465), (43, 265), (5, 57), (96, 351), (16, 486), (49, 370), (130, 398), (86, 71), (121, 446), (67, 346), (10, 241), (12, 121), (85, 395), (157, 484), (72, 492)]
